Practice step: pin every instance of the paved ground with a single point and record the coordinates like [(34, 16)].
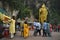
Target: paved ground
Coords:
[(55, 36)]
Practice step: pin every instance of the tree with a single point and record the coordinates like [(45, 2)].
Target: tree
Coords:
[(24, 5)]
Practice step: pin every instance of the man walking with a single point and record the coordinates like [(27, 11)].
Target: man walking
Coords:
[(46, 29), (37, 26)]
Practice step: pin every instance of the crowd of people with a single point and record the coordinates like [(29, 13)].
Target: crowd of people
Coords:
[(45, 27)]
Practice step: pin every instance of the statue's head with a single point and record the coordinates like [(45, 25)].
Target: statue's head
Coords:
[(43, 6)]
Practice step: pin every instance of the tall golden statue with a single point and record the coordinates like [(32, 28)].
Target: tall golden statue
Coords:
[(43, 13)]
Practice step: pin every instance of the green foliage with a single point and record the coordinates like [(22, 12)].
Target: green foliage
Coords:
[(14, 4), (24, 8), (24, 12), (18, 5), (54, 11)]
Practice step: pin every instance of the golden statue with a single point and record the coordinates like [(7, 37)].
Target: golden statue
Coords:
[(43, 13)]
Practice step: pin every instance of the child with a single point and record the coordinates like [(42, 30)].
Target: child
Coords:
[(6, 32)]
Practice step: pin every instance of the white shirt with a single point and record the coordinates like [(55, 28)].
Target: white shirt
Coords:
[(37, 24)]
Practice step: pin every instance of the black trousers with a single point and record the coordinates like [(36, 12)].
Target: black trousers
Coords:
[(37, 31), (44, 32)]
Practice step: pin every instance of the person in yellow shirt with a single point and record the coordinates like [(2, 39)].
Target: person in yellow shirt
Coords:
[(12, 28)]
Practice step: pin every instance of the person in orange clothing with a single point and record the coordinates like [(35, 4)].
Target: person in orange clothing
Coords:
[(26, 30)]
